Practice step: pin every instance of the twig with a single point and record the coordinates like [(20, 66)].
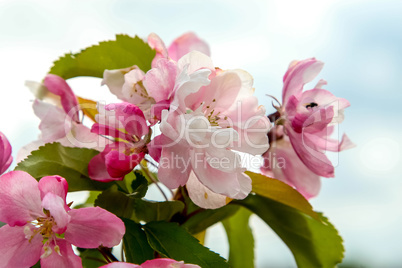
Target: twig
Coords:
[(149, 174)]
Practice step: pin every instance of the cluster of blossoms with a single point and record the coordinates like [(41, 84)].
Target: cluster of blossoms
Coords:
[(188, 117)]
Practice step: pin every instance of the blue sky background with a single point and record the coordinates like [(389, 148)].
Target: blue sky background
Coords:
[(360, 42)]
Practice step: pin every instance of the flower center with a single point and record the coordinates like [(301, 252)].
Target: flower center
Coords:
[(42, 226), (214, 118)]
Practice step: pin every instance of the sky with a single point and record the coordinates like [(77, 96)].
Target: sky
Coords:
[(359, 41)]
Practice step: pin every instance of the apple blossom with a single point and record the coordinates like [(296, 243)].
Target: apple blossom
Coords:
[(153, 91), (125, 123), (41, 226), (311, 115), (206, 122), (58, 109), (308, 119), (5, 153)]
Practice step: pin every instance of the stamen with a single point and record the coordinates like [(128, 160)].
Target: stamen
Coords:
[(47, 252), (57, 249)]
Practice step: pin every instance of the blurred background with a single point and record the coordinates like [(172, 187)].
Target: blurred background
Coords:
[(360, 42)]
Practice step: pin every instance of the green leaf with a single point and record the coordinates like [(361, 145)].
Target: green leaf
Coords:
[(90, 200), (241, 240), (157, 211), (70, 163), (117, 202), (206, 218), (134, 183), (281, 192), (126, 206), (314, 243), (139, 186), (91, 258), (173, 241), (123, 52), (136, 244)]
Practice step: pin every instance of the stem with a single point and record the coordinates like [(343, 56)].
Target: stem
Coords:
[(150, 162), (274, 116), (104, 255), (194, 213), (123, 249), (107, 254), (150, 175)]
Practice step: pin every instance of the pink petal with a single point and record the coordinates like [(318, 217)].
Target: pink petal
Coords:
[(156, 145), (53, 184), (195, 61), (133, 89), (155, 148), (185, 44), (92, 227), (16, 250), (54, 122), (298, 75), (323, 98), (288, 168), (66, 259), (114, 79), (120, 265), (156, 43), (167, 263), (59, 86), (224, 89), (228, 183), (156, 111), (315, 160), (26, 150), (346, 143), (171, 125), (131, 117), (314, 121), (5, 153), (174, 166), (97, 167), (19, 198), (56, 205), (119, 164), (160, 80), (187, 84), (324, 143), (82, 137), (253, 140), (202, 196)]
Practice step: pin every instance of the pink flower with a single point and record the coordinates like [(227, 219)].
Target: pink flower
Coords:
[(125, 123), (308, 118), (40, 226), (156, 263), (206, 122), (58, 86), (58, 109), (5, 154), (152, 92)]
